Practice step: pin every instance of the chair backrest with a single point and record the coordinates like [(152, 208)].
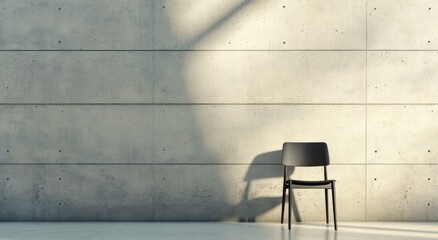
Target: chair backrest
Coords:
[(305, 154)]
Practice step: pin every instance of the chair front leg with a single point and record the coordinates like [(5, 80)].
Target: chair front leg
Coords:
[(290, 206), (282, 203), (326, 206), (334, 205)]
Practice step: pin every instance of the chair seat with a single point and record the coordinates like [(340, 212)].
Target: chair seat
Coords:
[(323, 184)]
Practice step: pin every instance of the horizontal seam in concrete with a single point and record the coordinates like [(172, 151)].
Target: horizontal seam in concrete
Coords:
[(218, 50), (213, 164), (183, 50), (213, 104)]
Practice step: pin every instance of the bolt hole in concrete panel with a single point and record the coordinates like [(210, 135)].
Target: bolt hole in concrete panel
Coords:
[(428, 179), (284, 6), (59, 178), (375, 151), (7, 150), (428, 150), (7, 179), (59, 41), (59, 8), (375, 179), (59, 150)]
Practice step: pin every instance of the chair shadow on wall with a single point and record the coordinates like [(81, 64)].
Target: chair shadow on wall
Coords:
[(264, 166)]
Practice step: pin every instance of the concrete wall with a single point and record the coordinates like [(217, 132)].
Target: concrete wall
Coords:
[(176, 110)]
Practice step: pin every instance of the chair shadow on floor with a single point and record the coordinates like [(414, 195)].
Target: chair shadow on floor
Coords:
[(264, 166)]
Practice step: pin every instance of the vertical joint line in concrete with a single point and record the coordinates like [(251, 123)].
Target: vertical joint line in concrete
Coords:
[(366, 105), (153, 109)]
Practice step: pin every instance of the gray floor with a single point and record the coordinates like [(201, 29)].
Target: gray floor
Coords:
[(222, 231)]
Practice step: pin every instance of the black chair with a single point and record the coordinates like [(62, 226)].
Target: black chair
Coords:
[(312, 154)]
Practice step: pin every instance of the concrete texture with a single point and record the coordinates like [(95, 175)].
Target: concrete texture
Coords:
[(402, 134), (136, 24), (402, 25), (402, 77), (76, 77), (76, 134), (262, 77), (402, 192), (239, 133), (176, 110), (76, 193), (254, 24), (49, 24)]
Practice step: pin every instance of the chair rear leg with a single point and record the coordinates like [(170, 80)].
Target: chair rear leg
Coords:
[(326, 206), (334, 205), (290, 206), (282, 203)]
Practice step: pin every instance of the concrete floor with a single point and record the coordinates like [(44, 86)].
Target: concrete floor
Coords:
[(222, 231)]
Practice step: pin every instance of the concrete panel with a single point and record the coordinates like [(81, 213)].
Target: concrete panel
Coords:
[(242, 134), (49, 24), (395, 24), (402, 193), (261, 77), (402, 134), (76, 134), (134, 24), (76, 77), (105, 193), (22, 189), (261, 24), (76, 193), (248, 193), (402, 77)]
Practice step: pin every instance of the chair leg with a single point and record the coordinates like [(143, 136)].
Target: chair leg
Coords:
[(334, 205), (326, 206), (282, 203), (290, 206)]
